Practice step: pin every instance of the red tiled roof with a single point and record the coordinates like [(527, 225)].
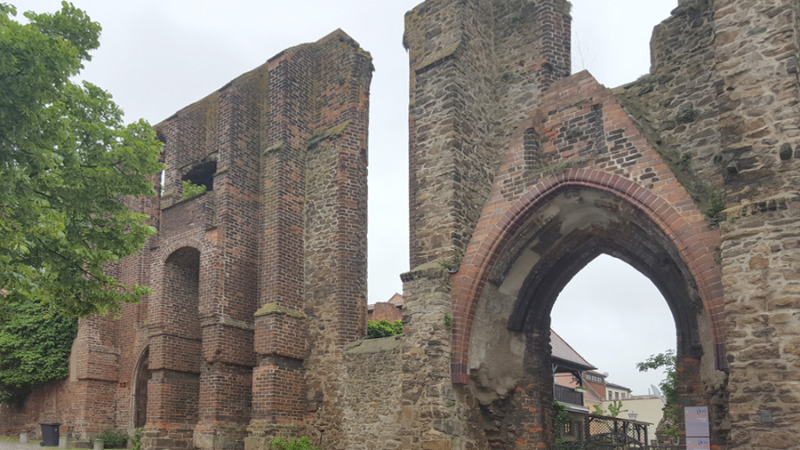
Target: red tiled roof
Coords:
[(563, 351), (397, 300)]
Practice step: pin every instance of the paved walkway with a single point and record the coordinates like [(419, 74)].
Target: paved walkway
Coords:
[(7, 445)]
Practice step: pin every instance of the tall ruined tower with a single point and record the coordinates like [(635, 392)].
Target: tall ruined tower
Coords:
[(258, 282), (521, 174)]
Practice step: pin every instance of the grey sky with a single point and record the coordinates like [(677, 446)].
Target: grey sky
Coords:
[(158, 56)]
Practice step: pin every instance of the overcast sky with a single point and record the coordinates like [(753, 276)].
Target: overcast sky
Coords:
[(158, 56)]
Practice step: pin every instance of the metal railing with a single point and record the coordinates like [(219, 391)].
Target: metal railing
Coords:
[(595, 432)]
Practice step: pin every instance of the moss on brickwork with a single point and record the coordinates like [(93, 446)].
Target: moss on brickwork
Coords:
[(321, 135), (274, 308), (708, 198)]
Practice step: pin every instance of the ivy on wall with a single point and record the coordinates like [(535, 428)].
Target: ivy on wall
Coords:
[(35, 343)]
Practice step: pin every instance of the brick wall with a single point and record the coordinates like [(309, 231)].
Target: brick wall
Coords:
[(276, 245), (385, 310), (519, 176)]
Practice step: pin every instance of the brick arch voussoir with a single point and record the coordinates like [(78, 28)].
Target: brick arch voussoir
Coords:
[(691, 238), (178, 244), (163, 254)]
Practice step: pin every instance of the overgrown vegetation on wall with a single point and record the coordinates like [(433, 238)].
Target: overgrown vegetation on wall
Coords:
[(301, 443), (560, 419), (383, 328), (35, 342), (192, 190)]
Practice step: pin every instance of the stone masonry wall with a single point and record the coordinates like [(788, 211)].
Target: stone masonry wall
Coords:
[(373, 388), (721, 105), (456, 73), (761, 254)]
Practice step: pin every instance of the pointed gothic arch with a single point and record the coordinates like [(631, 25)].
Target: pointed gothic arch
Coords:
[(689, 244), (141, 377)]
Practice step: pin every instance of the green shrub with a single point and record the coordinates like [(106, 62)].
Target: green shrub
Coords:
[(192, 190), (383, 328), (302, 443), (113, 438), (137, 439)]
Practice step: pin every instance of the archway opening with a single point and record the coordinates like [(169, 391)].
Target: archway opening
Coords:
[(613, 317), (509, 360), (141, 379), (175, 347)]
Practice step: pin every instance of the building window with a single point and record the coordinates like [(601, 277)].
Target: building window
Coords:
[(202, 175)]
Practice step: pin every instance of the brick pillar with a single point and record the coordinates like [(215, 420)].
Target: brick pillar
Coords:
[(537, 396), (95, 365), (227, 308), (335, 248), (278, 380), (477, 68), (431, 415)]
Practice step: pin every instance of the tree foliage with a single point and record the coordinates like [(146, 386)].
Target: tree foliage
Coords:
[(34, 349), (615, 408), (67, 162), (667, 361), (669, 387), (383, 328)]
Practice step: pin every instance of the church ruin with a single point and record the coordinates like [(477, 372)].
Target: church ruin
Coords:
[(520, 175)]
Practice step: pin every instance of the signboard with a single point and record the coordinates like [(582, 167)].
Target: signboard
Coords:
[(698, 443), (697, 431)]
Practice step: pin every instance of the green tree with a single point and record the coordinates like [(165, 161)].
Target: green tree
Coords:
[(669, 387), (667, 361), (67, 162), (615, 408), (34, 348)]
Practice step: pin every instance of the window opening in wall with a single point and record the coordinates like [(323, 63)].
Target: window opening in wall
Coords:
[(202, 175)]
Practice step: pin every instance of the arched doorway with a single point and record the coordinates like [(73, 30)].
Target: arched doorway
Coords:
[(175, 350), (142, 376), (546, 241)]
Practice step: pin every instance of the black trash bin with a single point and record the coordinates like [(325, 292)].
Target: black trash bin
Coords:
[(50, 434)]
